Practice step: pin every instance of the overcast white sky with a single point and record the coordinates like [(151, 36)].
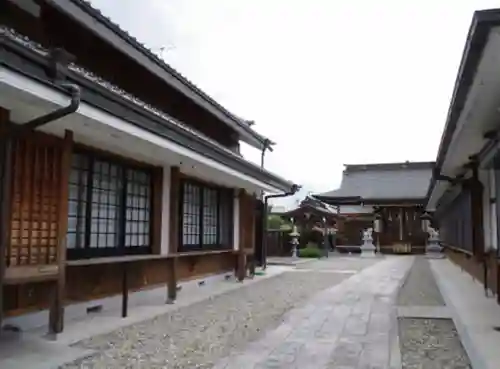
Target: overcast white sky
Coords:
[(332, 82)]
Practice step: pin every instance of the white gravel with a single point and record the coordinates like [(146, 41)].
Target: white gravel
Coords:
[(431, 344), (198, 335)]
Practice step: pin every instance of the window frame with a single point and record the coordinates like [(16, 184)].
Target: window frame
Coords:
[(227, 193), (88, 252)]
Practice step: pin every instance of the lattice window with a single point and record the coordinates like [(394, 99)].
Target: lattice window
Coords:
[(138, 204), (35, 202), (206, 216), (109, 208)]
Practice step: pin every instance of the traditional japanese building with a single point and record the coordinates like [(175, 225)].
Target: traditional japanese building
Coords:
[(463, 193), (117, 173), (394, 193)]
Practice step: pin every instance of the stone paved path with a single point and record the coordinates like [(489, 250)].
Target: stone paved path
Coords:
[(349, 326)]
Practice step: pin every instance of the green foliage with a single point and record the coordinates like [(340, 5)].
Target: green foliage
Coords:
[(275, 222), (310, 251)]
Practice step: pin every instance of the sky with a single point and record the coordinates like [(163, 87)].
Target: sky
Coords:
[(331, 82)]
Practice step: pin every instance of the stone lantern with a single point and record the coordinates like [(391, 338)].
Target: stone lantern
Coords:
[(368, 249), (433, 246), (377, 227), (294, 241)]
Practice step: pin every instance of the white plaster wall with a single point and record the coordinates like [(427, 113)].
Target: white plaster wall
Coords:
[(165, 211), (236, 222)]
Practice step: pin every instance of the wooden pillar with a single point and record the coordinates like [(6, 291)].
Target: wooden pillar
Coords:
[(56, 316), (124, 290), (174, 237), (476, 199), (5, 198), (241, 257), (253, 218)]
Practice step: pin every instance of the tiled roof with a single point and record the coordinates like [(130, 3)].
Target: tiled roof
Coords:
[(315, 204), (384, 181), (86, 6)]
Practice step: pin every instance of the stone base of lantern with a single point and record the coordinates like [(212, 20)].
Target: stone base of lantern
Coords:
[(368, 250), (433, 250)]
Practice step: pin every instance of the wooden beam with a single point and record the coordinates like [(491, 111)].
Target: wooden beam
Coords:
[(174, 236), (56, 315), (5, 199)]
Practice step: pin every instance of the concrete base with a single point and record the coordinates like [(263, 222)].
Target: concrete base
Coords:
[(368, 254)]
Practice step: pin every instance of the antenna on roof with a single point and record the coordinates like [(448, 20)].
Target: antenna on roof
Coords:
[(161, 50)]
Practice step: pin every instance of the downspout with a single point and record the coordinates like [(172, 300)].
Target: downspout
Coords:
[(263, 153), (267, 145), (293, 190), (33, 124)]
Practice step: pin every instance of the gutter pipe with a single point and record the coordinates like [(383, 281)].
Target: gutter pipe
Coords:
[(33, 124), (293, 190)]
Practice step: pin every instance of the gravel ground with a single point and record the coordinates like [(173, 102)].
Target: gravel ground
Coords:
[(198, 335), (431, 344), (420, 288)]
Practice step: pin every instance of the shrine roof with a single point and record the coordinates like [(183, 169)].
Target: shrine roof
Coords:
[(407, 180)]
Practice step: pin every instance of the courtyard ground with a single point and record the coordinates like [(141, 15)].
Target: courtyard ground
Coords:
[(338, 313)]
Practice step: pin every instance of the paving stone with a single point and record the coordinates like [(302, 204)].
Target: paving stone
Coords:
[(420, 288)]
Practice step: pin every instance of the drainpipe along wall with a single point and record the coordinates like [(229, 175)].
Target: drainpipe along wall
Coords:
[(292, 192)]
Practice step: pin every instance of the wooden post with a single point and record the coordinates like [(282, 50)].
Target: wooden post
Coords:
[(5, 198), (171, 280), (56, 315), (253, 218), (175, 192), (476, 199), (241, 257), (124, 290)]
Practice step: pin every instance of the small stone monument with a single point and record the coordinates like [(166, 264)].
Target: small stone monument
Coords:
[(433, 248), (368, 248), (294, 241)]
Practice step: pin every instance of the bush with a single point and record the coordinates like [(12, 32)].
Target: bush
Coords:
[(310, 251)]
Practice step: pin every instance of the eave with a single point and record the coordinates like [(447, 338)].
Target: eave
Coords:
[(24, 60), (92, 19), (477, 38), (351, 200)]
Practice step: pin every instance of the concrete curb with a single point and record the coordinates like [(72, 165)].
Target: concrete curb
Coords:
[(395, 359), (477, 361)]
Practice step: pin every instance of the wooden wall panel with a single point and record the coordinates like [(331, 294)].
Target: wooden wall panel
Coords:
[(476, 268), (86, 283)]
